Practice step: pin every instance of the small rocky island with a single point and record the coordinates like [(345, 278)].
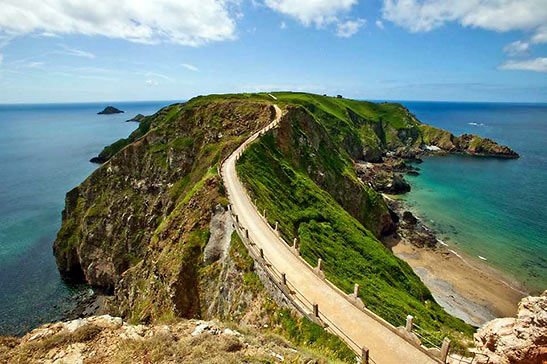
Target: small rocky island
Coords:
[(110, 110)]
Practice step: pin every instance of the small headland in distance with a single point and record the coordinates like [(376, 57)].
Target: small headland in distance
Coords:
[(138, 118), (110, 110), (109, 150)]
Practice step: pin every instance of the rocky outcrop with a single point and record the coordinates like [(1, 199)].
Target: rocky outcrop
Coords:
[(475, 145), (110, 110), (520, 340), (464, 144), (107, 339)]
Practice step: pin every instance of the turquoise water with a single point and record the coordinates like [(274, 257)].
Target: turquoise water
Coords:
[(495, 209), (44, 152)]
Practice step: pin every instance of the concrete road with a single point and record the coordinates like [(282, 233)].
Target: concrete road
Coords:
[(385, 347)]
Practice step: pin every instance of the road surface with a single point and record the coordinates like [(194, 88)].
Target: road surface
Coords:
[(385, 346)]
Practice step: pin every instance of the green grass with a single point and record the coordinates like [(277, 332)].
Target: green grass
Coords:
[(351, 254)]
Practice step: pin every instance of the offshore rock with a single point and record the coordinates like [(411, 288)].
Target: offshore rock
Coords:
[(110, 110)]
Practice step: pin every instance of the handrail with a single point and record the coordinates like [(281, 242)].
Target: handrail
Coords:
[(277, 276), (298, 300)]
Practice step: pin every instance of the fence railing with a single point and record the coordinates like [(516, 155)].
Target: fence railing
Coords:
[(294, 295), (436, 349)]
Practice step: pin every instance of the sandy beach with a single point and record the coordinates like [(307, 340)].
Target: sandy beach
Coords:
[(468, 289)]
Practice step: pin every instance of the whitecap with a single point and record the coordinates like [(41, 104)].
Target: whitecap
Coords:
[(475, 124), (482, 258), (442, 242), (456, 254), (432, 147)]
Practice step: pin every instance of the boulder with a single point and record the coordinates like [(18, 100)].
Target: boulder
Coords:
[(399, 185), (520, 340), (409, 218)]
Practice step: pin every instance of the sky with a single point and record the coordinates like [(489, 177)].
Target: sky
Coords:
[(439, 50)]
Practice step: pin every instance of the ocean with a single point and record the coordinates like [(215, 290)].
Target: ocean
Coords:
[(484, 207), (44, 152), (490, 209)]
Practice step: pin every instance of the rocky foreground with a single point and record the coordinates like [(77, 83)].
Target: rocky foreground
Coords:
[(107, 339), (521, 340)]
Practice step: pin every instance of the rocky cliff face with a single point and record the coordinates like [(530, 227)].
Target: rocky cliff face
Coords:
[(520, 340), (152, 200)]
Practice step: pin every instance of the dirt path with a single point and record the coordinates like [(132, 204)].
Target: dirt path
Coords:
[(385, 346)]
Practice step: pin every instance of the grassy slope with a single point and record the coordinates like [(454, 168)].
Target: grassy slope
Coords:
[(349, 251)]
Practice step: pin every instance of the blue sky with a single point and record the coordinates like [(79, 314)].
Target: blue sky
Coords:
[(466, 50)]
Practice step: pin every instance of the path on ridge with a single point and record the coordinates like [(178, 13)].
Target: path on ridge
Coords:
[(385, 346)]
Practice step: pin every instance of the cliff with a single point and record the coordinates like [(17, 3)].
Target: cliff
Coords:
[(146, 227)]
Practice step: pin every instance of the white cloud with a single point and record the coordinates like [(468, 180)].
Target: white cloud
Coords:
[(379, 24), (151, 83), (516, 48), (1, 58), (283, 25), (34, 64), (349, 28), (497, 15), (541, 35), (318, 12), (189, 22), (536, 65), (75, 52), (189, 67)]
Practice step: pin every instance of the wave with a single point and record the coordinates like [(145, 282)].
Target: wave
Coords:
[(475, 124), (482, 258)]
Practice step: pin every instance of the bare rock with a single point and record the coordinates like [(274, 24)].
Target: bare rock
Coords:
[(520, 340)]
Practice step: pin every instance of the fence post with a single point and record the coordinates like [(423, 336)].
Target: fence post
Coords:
[(356, 290), (247, 233), (237, 218), (229, 207), (364, 356), (316, 310), (444, 349), (276, 226), (261, 253), (409, 323), (319, 264), (264, 213), (284, 278)]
